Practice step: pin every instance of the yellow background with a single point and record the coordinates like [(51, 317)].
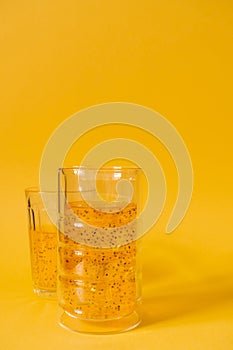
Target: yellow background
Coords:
[(175, 57)]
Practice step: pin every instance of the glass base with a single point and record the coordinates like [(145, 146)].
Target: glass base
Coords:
[(122, 324), (47, 294)]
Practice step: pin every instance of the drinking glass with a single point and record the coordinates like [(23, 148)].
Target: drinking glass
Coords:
[(99, 267), (43, 243)]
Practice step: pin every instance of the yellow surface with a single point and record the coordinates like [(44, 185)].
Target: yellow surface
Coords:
[(58, 57)]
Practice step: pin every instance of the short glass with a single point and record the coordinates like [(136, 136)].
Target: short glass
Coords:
[(43, 243), (99, 278)]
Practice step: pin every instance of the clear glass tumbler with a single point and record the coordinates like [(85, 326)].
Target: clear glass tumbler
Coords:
[(99, 278), (43, 243)]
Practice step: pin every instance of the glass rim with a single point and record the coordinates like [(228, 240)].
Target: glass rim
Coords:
[(104, 168), (36, 189)]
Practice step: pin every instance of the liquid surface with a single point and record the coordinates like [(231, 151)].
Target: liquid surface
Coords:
[(96, 228)]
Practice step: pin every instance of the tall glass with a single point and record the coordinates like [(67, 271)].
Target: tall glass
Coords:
[(43, 243), (99, 279)]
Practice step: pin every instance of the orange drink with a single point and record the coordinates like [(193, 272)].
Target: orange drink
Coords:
[(99, 269)]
